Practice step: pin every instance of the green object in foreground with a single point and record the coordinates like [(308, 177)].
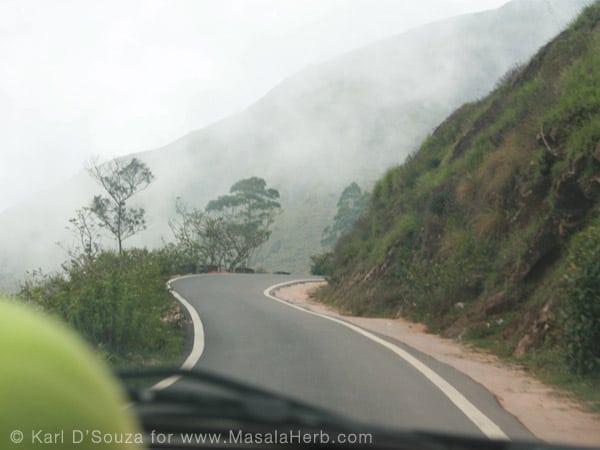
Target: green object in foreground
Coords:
[(54, 393)]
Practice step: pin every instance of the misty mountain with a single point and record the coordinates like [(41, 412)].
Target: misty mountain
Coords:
[(345, 120)]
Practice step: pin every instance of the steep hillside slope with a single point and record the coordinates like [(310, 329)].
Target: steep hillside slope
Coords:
[(491, 231), (342, 121)]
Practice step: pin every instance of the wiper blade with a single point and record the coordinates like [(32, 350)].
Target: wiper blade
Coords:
[(202, 400), (212, 395), (187, 407)]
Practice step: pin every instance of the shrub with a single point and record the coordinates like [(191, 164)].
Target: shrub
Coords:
[(438, 202), (322, 264), (116, 302), (581, 327)]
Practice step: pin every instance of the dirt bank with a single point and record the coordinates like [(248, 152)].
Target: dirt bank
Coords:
[(548, 413)]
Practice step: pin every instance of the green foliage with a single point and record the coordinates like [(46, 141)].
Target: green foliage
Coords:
[(118, 303), (351, 206), (224, 235), (438, 202), (508, 76), (248, 200), (403, 231), (173, 260), (588, 19), (200, 239), (581, 325), (322, 264), (580, 99)]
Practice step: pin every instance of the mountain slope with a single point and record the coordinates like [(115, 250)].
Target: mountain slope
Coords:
[(342, 121), (491, 231)]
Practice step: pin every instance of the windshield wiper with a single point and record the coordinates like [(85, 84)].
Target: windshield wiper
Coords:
[(209, 402), (210, 395)]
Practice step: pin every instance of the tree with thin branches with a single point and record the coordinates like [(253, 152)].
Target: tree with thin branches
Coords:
[(121, 179)]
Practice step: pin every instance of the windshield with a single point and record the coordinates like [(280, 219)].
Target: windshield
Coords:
[(268, 218)]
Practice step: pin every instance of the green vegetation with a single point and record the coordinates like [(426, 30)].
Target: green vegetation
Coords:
[(321, 264), (118, 300), (351, 206), (223, 236), (581, 323), (489, 232), (119, 303)]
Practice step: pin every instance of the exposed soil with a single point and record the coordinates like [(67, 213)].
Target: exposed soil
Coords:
[(548, 413)]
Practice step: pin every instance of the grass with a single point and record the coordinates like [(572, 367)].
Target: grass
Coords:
[(171, 354), (543, 365)]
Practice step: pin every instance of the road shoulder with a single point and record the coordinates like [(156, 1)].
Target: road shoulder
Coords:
[(548, 413)]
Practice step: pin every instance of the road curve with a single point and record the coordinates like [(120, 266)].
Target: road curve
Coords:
[(250, 337)]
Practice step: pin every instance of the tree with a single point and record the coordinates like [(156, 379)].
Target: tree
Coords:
[(244, 217), (121, 180), (322, 264), (85, 229), (200, 238), (351, 206), (225, 233)]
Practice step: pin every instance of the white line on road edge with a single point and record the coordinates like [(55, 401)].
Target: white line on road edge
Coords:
[(198, 340), (484, 423)]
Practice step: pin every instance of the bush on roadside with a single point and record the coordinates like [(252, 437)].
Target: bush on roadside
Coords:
[(118, 303), (322, 264)]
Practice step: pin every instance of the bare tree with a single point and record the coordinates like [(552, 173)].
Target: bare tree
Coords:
[(121, 180), (84, 227), (200, 237)]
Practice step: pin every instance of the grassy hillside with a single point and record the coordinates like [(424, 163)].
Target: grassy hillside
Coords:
[(491, 231)]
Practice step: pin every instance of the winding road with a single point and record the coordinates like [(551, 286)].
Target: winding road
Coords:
[(374, 379)]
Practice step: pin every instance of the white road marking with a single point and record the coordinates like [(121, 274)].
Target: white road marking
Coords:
[(198, 339), (484, 423)]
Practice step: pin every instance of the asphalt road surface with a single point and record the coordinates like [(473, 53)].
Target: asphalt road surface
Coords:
[(252, 338)]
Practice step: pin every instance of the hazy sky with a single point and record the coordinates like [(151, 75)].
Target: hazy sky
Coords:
[(86, 77)]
